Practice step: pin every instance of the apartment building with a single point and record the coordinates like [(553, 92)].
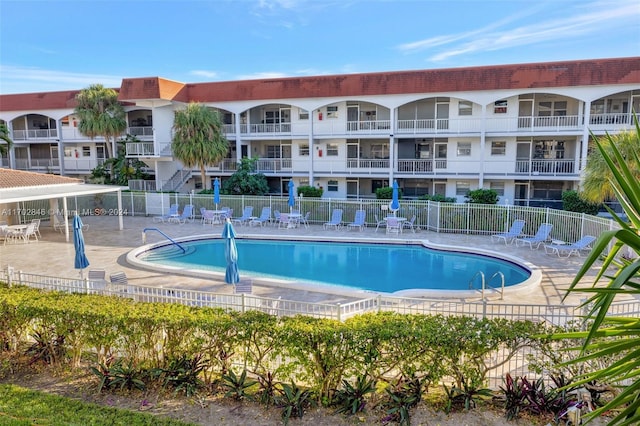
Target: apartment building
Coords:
[(522, 130)]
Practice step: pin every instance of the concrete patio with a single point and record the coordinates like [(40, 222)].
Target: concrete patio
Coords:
[(107, 246)]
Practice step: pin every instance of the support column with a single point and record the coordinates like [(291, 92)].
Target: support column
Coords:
[(120, 221), (238, 138), (483, 133), (581, 162), (392, 145), (12, 153), (65, 213), (60, 148), (311, 150)]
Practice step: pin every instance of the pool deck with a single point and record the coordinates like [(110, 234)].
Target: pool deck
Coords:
[(107, 246)]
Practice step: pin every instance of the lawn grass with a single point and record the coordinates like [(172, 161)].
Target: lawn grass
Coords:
[(20, 406)]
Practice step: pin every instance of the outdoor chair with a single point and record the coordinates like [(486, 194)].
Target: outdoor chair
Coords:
[(583, 243), (541, 236), (358, 220), (276, 217), (514, 232), (208, 217), (119, 281), (243, 287), (336, 219), (393, 225), (305, 219), (37, 228), (173, 210), (97, 277), (287, 221), (202, 211), (410, 224), (379, 222), (187, 214), (246, 215), (265, 216)]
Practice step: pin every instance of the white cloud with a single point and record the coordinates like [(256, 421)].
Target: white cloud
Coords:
[(595, 18), (205, 74), (30, 79)]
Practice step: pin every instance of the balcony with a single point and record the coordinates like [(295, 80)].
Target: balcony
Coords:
[(364, 163), (141, 132), (545, 167), (34, 134), (558, 123), (266, 129), (273, 165), (611, 122), (369, 127), (424, 166), (439, 126), (139, 149), (38, 164)]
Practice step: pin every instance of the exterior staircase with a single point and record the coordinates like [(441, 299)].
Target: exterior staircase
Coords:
[(176, 181)]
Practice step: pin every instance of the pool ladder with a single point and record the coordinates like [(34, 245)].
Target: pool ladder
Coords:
[(144, 238), (488, 285)]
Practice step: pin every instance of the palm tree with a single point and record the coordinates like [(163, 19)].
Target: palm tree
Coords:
[(4, 136), (596, 185), (101, 114), (199, 139), (610, 337)]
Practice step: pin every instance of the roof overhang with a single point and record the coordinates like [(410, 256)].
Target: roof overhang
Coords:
[(46, 192)]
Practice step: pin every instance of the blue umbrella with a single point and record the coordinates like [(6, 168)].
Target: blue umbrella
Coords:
[(292, 196), (231, 275), (216, 192), (81, 260), (395, 203)]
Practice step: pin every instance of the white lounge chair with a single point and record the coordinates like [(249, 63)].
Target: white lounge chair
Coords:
[(358, 220), (336, 219), (379, 222), (514, 232), (542, 235), (583, 243)]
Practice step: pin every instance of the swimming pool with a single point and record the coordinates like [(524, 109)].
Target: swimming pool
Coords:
[(369, 266)]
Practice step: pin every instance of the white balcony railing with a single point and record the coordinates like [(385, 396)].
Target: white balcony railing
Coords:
[(142, 185), (140, 148), (545, 167), (565, 122), (270, 165), (37, 163), (140, 131), (369, 126), (23, 135), (355, 163)]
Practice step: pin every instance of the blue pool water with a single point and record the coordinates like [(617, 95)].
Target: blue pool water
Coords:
[(377, 267)]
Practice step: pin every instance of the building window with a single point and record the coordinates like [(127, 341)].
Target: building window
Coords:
[(498, 187), (500, 107), (332, 111), (303, 150), (464, 149), (68, 152), (498, 148), (332, 186), (555, 109), (273, 151), (462, 188), (378, 183), (303, 114), (86, 151), (332, 149), (465, 108)]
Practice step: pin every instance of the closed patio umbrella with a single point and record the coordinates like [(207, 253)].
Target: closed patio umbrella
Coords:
[(216, 192), (231, 275), (292, 196), (81, 260), (395, 203)]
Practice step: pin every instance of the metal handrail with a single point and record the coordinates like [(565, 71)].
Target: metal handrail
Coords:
[(501, 285), (144, 238), (485, 285)]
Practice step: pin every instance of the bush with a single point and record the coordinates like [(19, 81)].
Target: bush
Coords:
[(386, 193), (438, 198), (482, 196), (573, 202), (310, 191)]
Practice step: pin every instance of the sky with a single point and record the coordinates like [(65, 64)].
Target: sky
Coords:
[(70, 45)]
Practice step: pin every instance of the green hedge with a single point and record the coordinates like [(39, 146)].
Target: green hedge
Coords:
[(317, 352)]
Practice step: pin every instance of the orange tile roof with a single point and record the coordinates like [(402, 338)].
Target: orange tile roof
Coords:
[(519, 76), (18, 179)]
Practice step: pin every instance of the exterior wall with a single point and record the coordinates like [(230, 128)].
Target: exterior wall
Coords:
[(425, 139)]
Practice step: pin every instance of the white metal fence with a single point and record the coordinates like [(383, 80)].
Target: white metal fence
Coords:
[(553, 315), (464, 218)]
